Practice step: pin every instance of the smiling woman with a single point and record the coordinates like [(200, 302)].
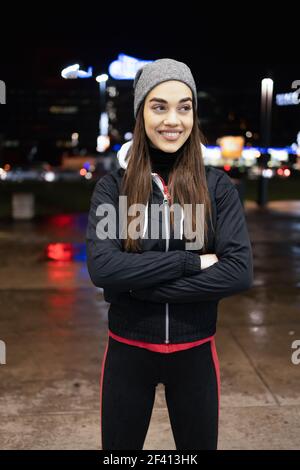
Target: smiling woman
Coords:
[(168, 123), (163, 294)]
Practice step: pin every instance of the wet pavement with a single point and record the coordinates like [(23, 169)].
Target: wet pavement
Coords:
[(54, 324)]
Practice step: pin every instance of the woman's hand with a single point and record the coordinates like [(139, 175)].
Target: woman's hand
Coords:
[(208, 260)]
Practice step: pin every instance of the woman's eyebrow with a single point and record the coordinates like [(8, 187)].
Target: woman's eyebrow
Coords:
[(160, 100)]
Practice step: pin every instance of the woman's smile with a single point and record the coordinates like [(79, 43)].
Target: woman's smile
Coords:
[(170, 135)]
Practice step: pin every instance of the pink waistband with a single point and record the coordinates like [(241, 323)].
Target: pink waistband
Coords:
[(162, 348)]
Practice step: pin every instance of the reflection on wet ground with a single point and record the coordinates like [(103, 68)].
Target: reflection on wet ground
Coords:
[(54, 324)]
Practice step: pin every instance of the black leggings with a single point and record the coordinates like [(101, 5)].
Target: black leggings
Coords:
[(127, 392)]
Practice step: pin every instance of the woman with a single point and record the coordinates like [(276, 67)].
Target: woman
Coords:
[(164, 289)]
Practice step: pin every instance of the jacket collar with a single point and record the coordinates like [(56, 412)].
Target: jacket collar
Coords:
[(121, 156)]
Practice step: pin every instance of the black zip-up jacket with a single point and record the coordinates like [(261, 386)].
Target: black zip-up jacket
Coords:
[(161, 295)]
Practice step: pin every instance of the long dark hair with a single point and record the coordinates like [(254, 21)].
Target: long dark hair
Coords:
[(187, 180)]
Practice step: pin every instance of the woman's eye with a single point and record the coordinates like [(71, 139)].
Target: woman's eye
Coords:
[(185, 108)]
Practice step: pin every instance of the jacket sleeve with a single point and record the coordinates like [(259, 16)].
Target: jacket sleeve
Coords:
[(232, 273), (112, 268)]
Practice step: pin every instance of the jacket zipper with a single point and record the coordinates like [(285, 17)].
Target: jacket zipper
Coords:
[(167, 197)]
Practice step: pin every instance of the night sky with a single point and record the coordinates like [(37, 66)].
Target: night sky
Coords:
[(224, 48), (228, 51)]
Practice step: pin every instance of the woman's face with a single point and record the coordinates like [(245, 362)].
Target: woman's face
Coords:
[(168, 115)]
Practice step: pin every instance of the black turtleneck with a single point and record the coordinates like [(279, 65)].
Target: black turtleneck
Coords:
[(163, 162)]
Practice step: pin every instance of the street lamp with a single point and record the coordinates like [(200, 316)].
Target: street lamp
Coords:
[(266, 119), (74, 72), (103, 140), (266, 110)]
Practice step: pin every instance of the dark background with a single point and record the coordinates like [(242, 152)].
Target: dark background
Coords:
[(229, 51)]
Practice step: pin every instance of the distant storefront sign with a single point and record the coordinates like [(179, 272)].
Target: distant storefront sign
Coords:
[(292, 98), (125, 67), (287, 99), (231, 146)]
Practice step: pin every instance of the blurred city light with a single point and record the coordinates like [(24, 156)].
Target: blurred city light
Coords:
[(65, 252), (103, 143), (3, 174), (128, 136), (267, 173), (75, 139), (59, 251), (125, 67), (102, 78), (287, 99), (73, 72), (49, 176), (103, 124)]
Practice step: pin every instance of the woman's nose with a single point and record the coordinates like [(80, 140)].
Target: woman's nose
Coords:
[(172, 118)]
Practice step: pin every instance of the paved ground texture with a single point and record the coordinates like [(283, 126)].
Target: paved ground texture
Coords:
[(54, 324)]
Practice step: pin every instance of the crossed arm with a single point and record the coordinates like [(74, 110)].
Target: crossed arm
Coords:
[(118, 271), (174, 276), (233, 271)]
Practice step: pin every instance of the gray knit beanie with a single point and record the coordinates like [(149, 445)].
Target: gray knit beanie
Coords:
[(161, 70)]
